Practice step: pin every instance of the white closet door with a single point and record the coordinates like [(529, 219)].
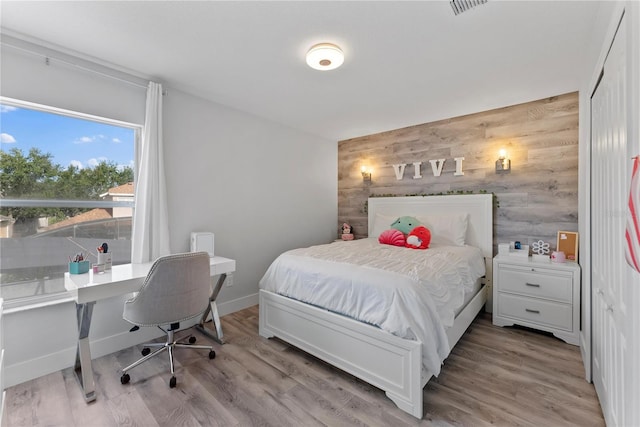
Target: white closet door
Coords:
[(609, 276)]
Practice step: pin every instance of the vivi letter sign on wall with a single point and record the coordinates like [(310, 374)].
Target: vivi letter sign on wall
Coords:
[(436, 168)]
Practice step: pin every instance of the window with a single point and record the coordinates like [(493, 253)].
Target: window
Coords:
[(66, 187)]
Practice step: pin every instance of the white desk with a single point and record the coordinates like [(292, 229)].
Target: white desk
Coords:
[(121, 280)]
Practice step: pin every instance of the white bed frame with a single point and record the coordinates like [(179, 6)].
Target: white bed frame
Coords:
[(383, 360)]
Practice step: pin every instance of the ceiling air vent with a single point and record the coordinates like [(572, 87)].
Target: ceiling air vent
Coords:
[(460, 6)]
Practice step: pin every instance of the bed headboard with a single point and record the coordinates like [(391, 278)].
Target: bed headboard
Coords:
[(478, 206)]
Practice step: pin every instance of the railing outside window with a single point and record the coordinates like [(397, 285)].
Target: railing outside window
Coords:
[(33, 265)]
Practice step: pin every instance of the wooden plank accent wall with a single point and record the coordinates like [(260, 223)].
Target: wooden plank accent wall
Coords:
[(536, 199)]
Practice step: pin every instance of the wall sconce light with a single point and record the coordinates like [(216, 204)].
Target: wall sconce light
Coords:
[(503, 164), (366, 174)]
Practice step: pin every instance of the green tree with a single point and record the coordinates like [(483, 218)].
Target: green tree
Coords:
[(35, 176), (95, 181)]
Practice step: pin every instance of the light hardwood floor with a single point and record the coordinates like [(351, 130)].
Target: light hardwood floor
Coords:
[(494, 376)]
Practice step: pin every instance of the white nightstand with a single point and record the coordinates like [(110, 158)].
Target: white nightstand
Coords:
[(537, 294)]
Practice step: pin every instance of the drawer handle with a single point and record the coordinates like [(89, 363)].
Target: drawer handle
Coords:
[(528, 310), (535, 285)]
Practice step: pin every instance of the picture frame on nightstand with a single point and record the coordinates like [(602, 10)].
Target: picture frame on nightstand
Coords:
[(567, 242)]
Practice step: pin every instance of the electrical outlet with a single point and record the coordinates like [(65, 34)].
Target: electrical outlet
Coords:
[(229, 280)]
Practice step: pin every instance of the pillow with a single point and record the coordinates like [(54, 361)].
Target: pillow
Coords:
[(419, 238), (381, 223), (405, 224), (448, 230), (392, 237)]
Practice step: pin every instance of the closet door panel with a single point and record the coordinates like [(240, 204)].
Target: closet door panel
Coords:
[(608, 200)]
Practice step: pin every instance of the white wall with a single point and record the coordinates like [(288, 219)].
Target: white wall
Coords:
[(261, 187)]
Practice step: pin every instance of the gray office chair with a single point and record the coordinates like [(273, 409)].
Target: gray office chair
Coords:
[(176, 289)]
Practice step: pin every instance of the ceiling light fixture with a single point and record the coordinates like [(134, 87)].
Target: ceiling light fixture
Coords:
[(325, 56)]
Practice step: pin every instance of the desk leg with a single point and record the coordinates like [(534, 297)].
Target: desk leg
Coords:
[(83, 369), (215, 318)]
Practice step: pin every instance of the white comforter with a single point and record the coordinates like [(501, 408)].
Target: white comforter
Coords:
[(407, 292)]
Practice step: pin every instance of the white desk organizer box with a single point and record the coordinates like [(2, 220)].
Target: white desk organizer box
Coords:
[(509, 249), (202, 241), (104, 261)]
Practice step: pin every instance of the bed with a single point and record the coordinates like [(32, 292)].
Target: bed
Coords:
[(399, 365)]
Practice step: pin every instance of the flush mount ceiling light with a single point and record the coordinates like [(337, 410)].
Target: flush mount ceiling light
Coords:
[(325, 56)]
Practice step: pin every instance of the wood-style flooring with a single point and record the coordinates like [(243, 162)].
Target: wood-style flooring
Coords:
[(494, 376)]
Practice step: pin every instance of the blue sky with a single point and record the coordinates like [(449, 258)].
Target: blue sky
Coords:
[(83, 143)]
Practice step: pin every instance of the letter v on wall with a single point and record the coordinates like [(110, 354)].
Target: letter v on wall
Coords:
[(436, 166), (399, 170)]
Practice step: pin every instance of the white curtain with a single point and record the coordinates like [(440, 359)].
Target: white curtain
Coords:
[(150, 238)]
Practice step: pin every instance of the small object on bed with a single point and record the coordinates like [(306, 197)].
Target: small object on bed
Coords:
[(392, 237), (405, 224), (419, 238), (347, 232)]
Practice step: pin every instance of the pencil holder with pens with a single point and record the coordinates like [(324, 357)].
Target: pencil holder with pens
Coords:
[(79, 267)]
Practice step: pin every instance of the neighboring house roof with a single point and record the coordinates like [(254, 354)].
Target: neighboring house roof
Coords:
[(120, 190), (92, 215), (97, 213)]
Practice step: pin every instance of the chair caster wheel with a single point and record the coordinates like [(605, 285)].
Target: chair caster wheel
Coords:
[(192, 340), (124, 379), (172, 382), (146, 351), (212, 354)]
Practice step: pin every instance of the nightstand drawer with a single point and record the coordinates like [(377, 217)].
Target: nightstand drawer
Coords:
[(536, 284), (553, 314)]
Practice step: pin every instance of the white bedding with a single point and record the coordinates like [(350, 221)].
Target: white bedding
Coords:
[(410, 293)]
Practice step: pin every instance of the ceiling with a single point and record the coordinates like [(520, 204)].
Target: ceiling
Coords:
[(406, 63)]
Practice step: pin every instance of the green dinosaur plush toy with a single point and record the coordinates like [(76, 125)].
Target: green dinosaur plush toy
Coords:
[(405, 224)]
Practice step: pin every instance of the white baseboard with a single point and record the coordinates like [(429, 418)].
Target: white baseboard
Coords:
[(46, 364), (33, 368), (232, 306)]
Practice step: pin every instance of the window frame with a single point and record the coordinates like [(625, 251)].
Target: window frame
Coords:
[(27, 302)]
